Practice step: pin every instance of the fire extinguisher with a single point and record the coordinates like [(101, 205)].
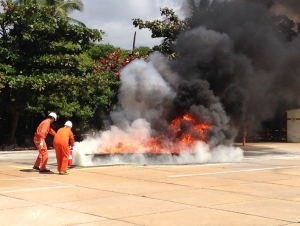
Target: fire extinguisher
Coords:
[(70, 162)]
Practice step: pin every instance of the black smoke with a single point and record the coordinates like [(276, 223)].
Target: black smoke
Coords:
[(245, 53)]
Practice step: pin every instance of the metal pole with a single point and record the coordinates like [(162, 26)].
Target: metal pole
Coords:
[(244, 136), (133, 44)]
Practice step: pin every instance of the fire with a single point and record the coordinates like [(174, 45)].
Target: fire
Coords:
[(181, 134)]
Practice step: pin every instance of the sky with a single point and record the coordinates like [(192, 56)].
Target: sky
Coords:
[(115, 18)]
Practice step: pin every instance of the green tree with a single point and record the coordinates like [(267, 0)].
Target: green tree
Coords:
[(171, 26), (62, 7), (98, 51), (39, 64), (168, 29), (106, 57), (142, 51), (287, 27)]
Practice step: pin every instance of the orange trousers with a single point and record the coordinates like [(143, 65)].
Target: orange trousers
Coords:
[(62, 152), (42, 159)]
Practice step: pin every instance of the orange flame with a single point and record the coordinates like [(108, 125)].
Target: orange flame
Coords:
[(183, 132)]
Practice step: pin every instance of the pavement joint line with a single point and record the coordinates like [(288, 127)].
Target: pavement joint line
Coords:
[(234, 171), (35, 189), (37, 178), (22, 178), (55, 182), (250, 214), (217, 207)]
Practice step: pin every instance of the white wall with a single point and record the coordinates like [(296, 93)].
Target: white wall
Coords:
[(293, 126)]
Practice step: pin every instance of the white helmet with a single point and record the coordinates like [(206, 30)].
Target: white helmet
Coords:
[(68, 123), (53, 115)]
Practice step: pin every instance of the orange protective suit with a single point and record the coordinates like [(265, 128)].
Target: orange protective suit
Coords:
[(40, 135), (63, 139)]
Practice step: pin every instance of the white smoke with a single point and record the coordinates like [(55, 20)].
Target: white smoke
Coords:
[(143, 93), (200, 152), (147, 92)]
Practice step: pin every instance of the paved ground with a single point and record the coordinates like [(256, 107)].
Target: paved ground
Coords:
[(263, 189)]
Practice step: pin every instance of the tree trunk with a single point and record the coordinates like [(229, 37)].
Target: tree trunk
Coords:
[(14, 124)]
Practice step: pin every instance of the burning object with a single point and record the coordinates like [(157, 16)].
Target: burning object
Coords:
[(182, 133), (159, 114), (236, 61)]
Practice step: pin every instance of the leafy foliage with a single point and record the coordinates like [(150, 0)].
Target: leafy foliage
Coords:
[(115, 61), (287, 27), (39, 65), (169, 29), (62, 7), (98, 51)]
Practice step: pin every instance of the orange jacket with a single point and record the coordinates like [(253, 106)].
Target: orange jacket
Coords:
[(43, 130), (63, 136)]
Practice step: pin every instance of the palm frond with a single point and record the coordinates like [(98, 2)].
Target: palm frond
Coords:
[(71, 5), (59, 12), (72, 20), (25, 2)]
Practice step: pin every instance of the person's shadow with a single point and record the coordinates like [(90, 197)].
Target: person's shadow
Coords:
[(34, 171)]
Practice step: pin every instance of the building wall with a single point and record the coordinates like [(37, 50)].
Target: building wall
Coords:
[(293, 126)]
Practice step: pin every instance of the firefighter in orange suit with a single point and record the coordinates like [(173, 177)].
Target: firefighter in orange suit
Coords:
[(39, 141), (62, 141)]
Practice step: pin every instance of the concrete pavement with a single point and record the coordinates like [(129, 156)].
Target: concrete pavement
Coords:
[(263, 189)]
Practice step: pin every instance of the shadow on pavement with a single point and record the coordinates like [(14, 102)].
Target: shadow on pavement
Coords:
[(35, 171), (29, 170), (48, 173)]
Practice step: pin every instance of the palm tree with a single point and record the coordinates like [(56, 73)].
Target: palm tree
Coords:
[(63, 7), (26, 2)]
